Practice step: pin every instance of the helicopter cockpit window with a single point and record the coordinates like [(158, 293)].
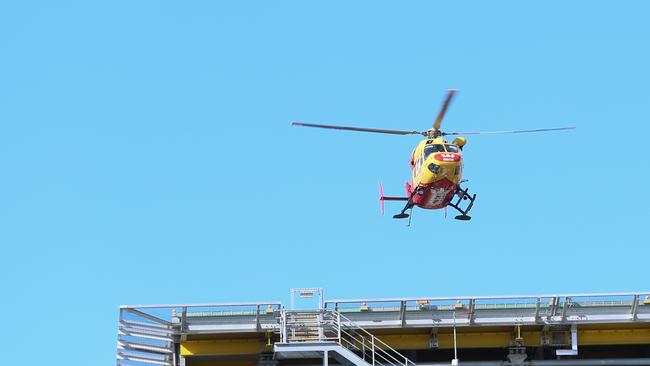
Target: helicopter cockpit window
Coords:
[(452, 148), (433, 149)]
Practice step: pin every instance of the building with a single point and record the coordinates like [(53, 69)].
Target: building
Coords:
[(581, 329)]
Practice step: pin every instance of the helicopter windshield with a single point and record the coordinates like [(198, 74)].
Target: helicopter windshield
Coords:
[(452, 148), (428, 150)]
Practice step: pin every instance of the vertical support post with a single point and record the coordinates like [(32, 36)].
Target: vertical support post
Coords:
[(119, 343), (363, 347), (635, 304), (183, 319), (321, 301), (321, 326), (574, 337), (455, 360), (372, 345), (554, 304), (257, 317), (338, 326), (325, 358), (574, 344), (567, 302), (472, 307), (293, 328), (283, 318)]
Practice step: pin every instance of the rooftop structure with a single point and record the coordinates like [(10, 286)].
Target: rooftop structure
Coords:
[(572, 329)]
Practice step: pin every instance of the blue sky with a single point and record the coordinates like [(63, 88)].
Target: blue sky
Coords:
[(147, 157)]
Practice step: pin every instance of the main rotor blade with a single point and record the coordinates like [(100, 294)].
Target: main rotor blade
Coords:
[(513, 131), (359, 129), (443, 109)]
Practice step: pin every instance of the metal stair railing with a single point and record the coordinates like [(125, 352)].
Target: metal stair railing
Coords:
[(373, 350), (306, 326), (332, 326), (143, 339)]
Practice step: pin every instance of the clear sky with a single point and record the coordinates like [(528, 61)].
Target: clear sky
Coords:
[(147, 157)]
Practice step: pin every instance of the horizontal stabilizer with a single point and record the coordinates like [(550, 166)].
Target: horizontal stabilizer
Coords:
[(383, 198), (387, 198)]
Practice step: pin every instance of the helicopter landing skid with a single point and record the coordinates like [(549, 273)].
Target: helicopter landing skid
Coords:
[(463, 195), (409, 206)]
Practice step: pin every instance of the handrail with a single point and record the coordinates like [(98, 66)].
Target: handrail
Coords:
[(373, 350), (206, 305), (506, 297), (326, 326), (375, 339)]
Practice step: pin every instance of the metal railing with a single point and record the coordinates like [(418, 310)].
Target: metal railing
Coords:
[(370, 346), (144, 339), (559, 309), (613, 298), (332, 326), (147, 334)]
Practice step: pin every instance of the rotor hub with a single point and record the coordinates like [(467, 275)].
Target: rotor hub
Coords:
[(433, 133)]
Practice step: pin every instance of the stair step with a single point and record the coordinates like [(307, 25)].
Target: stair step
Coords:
[(310, 332)]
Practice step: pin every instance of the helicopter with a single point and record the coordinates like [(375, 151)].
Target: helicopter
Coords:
[(436, 166)]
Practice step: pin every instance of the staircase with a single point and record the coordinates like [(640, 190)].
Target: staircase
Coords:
[(144, 340), (314, 334)]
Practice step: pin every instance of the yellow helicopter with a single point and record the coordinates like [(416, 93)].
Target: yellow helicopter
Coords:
[(436, 166)]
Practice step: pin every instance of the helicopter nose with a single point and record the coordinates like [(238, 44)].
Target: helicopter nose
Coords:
[(440, 165)]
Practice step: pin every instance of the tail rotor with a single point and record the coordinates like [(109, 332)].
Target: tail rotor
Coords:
[(381, 198)]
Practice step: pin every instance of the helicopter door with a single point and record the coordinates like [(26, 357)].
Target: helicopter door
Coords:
[(418, 166)]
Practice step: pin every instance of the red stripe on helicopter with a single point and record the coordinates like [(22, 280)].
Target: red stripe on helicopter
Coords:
[(435, 195), (447, 157)]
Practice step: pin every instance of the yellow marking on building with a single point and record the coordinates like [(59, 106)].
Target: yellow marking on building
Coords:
[(613, 336), (222, 347), (194, 362), (466, 338)]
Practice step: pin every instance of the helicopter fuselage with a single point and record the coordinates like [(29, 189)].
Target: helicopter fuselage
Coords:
[(437, 168)]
